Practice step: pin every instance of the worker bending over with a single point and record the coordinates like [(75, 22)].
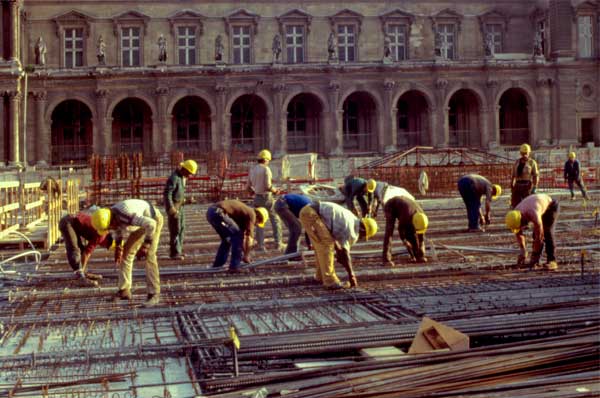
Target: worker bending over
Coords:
[(174, 198), (235, 222), (260, 182), (81, 238), (362, 190), (412, 225), (143, 241), (288, 208), (524, 179), (384, 192), (334, 229), (572, 175), (542, 211), (472, 187)]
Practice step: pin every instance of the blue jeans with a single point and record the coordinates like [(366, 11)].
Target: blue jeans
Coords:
[(231, 237), (292, 223), (472, 201)]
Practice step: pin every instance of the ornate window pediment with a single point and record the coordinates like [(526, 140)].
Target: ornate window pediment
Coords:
[(72, 19), (447, 16), (130, 18), (495, 17), (294, 17), (186, 17), (242, 17), (396, 16), (346, 16)]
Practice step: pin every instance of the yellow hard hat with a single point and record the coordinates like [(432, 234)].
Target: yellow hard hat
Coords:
[(265, 154), (513, 221), (371, 184), (420, 222), (264, 215), (370, 227), (498, 189), (101, 220), (572, 155), (190, 165), (525, 148)]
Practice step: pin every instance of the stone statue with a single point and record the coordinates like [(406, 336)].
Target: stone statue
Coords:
[(387, 49), (162, 48), (332, 45), (40, 52), (219, 49), (276, 48), (537, 45), (490, 48), (101, 51)]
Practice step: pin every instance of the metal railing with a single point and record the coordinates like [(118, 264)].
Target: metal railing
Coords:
[(70, 153), (460, 138), (514, 136), (409, 139), (360, 142), (302, 143), (247, 144)]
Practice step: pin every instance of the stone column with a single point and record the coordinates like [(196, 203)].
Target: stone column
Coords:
[(3, 131), (542, 116), (13, 30), (441, 135), (221, 133), (484, 125), (490, 116), (388, 137), (334, 138), (103, 139), (162, 140), (14, 100), (42, 142), (278, 126)]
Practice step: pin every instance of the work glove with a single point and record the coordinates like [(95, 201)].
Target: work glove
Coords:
[(143, 251), (172, 211), (533, 190), (522, 257), (488, 220), (119, 254)]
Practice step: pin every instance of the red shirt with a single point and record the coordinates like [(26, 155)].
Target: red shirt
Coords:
[(82, 224)]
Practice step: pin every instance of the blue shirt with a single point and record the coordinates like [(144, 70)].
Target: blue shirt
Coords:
[(296, 202)]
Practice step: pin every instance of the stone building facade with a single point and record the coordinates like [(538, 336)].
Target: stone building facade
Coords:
[(340, 78)]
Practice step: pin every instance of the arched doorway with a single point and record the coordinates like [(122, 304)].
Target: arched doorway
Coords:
[(71, 133), (360, 123), (248, 124), (132, 126), (412, 120), (463, 119), (514, 118), (304, 124), (191, 125)]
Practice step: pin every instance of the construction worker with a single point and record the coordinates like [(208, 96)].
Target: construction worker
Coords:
[(542, 211), (524, 179), (75, 229), (384, 192), (472, 187), (174, 198), (572, 175), (288, 208), (235, 222), (260, 183), (359, 188), (412, 225), (334, 229), (143, 241)]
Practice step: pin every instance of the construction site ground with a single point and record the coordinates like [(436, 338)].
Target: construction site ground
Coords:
[(533, 333)]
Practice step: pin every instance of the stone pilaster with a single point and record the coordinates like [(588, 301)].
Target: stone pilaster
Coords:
[(490, 135), (221, 131), (388, 137), (42, 142), (334, 139), (278, 126), (13, 30), (542, 131), (14, 99), (103, 144), (162, 139), (440, 137)]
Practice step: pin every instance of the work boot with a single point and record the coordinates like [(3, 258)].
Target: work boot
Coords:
[(153, 300), (122, 294), (389, 263), (280, 247), (260, 249), (551, 266), (94, 277), (572, 197), (179, 257), (478, 229), (83, 281), (338, 286)]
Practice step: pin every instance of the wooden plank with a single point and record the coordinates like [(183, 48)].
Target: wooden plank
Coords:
[(31, 185), (8, 230), (9, 184), (9, 207), (32, 205)]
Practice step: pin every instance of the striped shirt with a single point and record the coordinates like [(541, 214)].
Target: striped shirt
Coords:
[(342, 224), (134, 213), (384, 192)]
